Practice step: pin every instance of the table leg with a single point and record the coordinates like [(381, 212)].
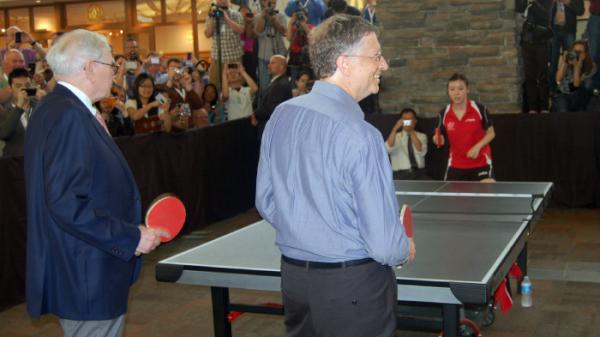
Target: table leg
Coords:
[(450, 320), (220, 302), (522, 262)]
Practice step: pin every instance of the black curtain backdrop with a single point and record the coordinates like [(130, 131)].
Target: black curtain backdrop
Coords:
[(561, 147), (213, 170)]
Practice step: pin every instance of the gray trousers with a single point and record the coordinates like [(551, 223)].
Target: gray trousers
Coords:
[(107, 328), (355, 301)]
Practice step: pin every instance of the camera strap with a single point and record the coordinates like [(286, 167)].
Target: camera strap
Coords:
[(371, 13)]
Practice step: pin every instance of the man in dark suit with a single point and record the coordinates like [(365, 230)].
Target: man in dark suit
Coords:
[(279, 90), (83, 206), (14, 113)]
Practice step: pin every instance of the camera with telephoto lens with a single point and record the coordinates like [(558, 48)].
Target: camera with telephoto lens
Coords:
[(571, 56), (215, 11), (300, 16)]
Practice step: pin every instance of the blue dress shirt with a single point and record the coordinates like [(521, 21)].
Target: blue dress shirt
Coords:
[(325, 182)]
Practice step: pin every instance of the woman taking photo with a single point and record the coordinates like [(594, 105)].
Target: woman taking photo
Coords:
[(574, 79), (469, 129), (148, 109)]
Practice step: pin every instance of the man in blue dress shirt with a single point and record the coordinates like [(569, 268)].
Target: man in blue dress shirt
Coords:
[(325, 183)]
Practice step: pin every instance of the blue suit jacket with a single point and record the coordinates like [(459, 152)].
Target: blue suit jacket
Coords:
[(83, 208)]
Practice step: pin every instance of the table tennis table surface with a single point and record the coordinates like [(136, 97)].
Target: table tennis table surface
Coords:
[(465, 250), (468, 237), (458, 200)]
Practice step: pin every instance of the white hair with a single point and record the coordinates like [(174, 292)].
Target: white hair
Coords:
[(15, 51), (70, 53)]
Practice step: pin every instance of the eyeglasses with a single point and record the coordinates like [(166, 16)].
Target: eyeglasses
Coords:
[(113, 65), (377, 57)]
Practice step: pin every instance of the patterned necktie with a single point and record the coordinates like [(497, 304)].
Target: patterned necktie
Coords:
[(102, 121), (411, 154)]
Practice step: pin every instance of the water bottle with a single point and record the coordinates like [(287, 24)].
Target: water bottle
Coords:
[(526, 300)]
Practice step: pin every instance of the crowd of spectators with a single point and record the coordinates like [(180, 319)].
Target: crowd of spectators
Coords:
[(259, 57), (560, 72)]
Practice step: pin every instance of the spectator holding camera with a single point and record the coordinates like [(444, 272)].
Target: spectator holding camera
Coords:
[(407, 148), (133, 64), (270, 27), (180, 85), (15, 113), (145, 104), (180, 90), (18, 39), (313, 9), (297, 34), (564, 29), (238, 98), (153, 67), (227, 47), (574, 79), (469, 129)]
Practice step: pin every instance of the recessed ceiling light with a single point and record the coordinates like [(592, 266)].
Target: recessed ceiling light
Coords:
[(38, 1)]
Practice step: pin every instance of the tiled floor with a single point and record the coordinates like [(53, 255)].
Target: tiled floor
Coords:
[(564, 262)]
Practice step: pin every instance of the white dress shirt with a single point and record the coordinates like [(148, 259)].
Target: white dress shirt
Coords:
[(399, 152)]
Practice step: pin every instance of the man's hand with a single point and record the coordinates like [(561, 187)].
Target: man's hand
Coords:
[(412, 250), (149, 240), (22, 99), (399, 124)]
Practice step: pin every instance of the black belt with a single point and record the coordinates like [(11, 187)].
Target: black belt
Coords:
[(325, 265), (410, 170)]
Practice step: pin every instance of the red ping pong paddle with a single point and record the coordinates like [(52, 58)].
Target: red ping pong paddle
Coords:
[(438, 138), (407, 220), (167, 213)]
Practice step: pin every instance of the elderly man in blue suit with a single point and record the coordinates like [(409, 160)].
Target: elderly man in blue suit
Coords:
[(83, 205)]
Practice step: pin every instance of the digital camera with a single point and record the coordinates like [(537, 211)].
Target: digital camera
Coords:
[(571, 56)]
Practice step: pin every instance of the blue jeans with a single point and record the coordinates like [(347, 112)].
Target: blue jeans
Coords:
[(593, 35), (561, 40)]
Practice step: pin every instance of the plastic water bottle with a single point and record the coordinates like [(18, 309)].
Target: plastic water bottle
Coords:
[(526, 300)]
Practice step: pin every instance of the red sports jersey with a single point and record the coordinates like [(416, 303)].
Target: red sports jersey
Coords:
[(463, 133)]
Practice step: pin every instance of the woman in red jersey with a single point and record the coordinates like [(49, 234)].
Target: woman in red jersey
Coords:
[(469, 129)]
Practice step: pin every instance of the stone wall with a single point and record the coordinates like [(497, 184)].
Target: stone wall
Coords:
[(426, 41)]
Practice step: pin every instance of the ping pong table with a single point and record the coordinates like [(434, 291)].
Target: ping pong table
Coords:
[(461, 260)]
